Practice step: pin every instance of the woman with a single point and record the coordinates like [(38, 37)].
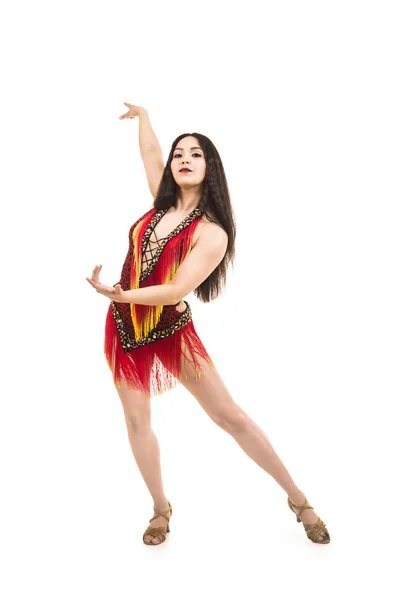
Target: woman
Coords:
[(183, 244)]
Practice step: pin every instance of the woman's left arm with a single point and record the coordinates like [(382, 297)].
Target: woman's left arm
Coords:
[(152, 295), (197, 266), (194, 269)]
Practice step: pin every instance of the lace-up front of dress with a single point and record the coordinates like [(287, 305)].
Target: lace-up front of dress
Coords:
[(144, 343), (147, 259), (152, 250)]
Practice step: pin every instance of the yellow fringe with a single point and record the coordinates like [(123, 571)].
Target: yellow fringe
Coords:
[(143, 328)]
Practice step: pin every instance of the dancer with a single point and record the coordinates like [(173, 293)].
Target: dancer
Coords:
[(183, 244)]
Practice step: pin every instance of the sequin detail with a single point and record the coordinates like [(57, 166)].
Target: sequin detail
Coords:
[(128, 343), (152, 261), (169, 315)]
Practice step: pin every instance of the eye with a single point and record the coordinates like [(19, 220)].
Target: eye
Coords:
[(195, 153)]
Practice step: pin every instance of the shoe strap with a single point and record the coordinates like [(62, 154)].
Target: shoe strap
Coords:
[(166, 514), (158, 532), (154, 530), (316, 529), (158, 515), (303, 507)]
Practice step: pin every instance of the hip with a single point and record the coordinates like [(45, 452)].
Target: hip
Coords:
[(172, 319)]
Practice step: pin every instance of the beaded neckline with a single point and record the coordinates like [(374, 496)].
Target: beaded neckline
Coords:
[(158, 216), (193, 215)]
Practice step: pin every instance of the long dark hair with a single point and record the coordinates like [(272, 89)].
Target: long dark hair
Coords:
[(216, 204)]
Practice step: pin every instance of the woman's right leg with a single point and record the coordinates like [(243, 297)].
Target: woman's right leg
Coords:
[(145, 447)]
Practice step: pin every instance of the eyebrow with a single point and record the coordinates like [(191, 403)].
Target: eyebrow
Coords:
[(192, 148)]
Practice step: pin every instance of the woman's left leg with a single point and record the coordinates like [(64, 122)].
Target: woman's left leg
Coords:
[(212, 394)]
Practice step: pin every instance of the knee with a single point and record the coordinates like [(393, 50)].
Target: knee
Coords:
[(138, 423), (232, 420)]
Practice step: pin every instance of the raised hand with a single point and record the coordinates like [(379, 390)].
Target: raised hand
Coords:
[(133, 111)]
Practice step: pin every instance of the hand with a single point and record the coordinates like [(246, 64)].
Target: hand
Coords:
[(115, 293), (133, 111)]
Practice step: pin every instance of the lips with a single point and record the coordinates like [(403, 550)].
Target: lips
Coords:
[(185, 170)]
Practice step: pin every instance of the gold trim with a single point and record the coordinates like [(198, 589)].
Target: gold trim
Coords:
[(195, 214), (128, 343)]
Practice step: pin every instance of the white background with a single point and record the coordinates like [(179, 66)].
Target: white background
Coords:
[(308, 106)]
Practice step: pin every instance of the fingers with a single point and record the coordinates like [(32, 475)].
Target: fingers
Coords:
[(127, 115), (92, 282), (98, 286), (95, 274)]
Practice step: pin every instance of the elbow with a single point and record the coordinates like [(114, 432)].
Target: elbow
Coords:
[(176, 294)]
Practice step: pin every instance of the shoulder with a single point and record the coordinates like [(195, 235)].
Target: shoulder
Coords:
[(210, 232)]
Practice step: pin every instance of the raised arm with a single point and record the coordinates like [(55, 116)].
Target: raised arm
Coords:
[(150, 149)]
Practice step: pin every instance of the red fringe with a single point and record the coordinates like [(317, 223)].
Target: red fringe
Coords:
[(156, 367), (145, 317)]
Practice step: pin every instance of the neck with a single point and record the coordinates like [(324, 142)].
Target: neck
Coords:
[(187, 201)]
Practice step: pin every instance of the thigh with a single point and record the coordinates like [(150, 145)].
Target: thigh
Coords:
[(210, 391), (136, 405)]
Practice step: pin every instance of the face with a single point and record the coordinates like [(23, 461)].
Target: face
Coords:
[(188, 155)]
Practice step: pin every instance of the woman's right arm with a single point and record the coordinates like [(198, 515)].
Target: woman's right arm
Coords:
[(150, 149)]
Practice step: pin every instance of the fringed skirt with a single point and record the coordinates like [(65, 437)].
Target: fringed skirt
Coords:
[(153, 364)]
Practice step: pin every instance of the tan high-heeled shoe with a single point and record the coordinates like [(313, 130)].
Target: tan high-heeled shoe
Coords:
[(160, 531), (314, 531)]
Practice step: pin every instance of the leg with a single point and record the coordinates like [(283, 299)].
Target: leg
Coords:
[(211, 393), (144, 445)]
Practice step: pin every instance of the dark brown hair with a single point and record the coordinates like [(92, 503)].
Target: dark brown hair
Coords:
[(216, 204)]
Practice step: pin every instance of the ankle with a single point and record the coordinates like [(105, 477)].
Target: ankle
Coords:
[(296, 496), (161, 504)]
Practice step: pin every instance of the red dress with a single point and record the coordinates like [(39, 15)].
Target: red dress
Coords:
[(143, 344)]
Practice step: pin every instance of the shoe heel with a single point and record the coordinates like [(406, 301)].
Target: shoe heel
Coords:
[(297, 519), (168, 529)]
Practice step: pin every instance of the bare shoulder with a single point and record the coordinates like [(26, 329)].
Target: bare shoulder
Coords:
[(207, 230)]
